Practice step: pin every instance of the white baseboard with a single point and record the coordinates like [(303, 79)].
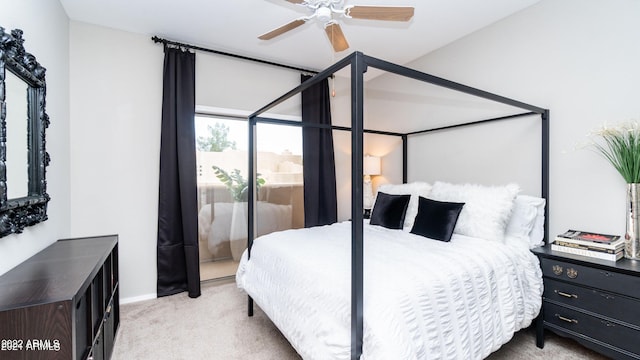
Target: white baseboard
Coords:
[(133, 299)]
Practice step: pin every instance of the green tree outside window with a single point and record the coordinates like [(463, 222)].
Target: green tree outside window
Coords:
[(217, 140)]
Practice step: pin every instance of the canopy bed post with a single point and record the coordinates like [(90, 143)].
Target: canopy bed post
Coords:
[(545, 170), (251, 184), (545, 194), (251, 197), (358, 68), (405, 152)]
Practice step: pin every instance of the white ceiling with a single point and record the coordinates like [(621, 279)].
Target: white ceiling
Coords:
[(234, 26)]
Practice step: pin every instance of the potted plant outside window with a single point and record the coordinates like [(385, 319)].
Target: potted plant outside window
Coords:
[(239, 188)]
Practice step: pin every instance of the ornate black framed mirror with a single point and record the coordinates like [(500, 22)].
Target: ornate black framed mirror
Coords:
[(23, 120)]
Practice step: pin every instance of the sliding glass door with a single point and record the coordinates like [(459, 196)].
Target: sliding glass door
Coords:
[(222, 157)]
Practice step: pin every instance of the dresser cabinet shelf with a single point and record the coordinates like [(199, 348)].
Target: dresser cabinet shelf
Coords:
[(62, 303), (595, 302)]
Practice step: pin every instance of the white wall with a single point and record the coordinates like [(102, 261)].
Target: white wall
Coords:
[(116, 92), (46, 34), (230, 83), (577, 58)]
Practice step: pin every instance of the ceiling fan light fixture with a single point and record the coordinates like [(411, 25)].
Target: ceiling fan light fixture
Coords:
[(324, 14), (323, 11)]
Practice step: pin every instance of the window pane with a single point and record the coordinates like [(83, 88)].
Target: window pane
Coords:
[(280, 165)]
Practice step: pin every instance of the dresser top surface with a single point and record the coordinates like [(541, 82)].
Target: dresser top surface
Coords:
[(624, 265), (56, 273)]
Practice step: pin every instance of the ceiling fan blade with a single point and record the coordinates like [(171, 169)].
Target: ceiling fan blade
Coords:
[(390, 13), (336, 37), (281, 30)]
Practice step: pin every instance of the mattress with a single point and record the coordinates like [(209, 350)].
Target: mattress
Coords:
[(423, 299)]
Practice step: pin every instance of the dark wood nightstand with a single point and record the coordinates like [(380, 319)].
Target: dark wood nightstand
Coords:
[(595, 302)]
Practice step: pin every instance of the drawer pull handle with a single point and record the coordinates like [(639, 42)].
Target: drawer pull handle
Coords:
[(573, 296), (573, 321), (572, 273), (608, 324), (606, 273)]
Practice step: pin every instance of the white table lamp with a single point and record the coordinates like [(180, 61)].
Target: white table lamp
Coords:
[(371, 166)]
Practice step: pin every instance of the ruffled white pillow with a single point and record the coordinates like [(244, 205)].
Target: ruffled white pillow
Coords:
[(415, 189), (486, 211)]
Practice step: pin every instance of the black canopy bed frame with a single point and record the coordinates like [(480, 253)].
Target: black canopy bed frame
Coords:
[(359, 65)]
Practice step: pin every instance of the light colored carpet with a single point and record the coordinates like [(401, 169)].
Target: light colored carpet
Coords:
[(216, 326)]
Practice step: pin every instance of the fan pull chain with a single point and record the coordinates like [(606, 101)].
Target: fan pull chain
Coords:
[(333, 78), (333, 87)]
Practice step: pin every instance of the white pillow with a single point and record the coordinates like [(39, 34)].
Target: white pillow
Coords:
[(523, 217), (527, 220), (415, 189), (486, 211), (536, 237)]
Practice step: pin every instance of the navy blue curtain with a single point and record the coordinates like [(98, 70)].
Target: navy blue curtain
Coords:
[(320, 204), (177, 255)]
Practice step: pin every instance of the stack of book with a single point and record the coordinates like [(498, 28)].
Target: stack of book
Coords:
[(606, 247)]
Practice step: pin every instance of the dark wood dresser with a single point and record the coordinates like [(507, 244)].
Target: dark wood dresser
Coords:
[(596, 302), (62, 303)]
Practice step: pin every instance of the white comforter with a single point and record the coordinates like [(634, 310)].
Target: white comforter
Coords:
[(423, 299)]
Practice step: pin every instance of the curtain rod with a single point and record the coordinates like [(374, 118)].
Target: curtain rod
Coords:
[(194, 47)]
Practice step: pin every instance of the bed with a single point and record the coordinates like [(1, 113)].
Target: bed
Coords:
[(367, 290), (425, 298)]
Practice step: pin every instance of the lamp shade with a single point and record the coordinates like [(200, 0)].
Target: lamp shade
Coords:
[(371, 165)]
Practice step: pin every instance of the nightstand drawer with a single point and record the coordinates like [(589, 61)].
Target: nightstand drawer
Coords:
[(607, 304), (611, 333), (592, 277)]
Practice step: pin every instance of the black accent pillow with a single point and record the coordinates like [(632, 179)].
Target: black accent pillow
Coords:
[(436, 219), (389, 210)]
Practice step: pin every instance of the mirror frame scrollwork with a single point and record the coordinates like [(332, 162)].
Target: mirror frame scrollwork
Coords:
[(18, 213)]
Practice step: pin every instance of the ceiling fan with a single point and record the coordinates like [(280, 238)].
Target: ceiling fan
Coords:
[(326, 11)]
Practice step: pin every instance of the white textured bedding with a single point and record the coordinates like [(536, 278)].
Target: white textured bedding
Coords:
[(423, 299)]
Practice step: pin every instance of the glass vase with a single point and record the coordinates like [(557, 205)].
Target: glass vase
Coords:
[(632, 235)]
